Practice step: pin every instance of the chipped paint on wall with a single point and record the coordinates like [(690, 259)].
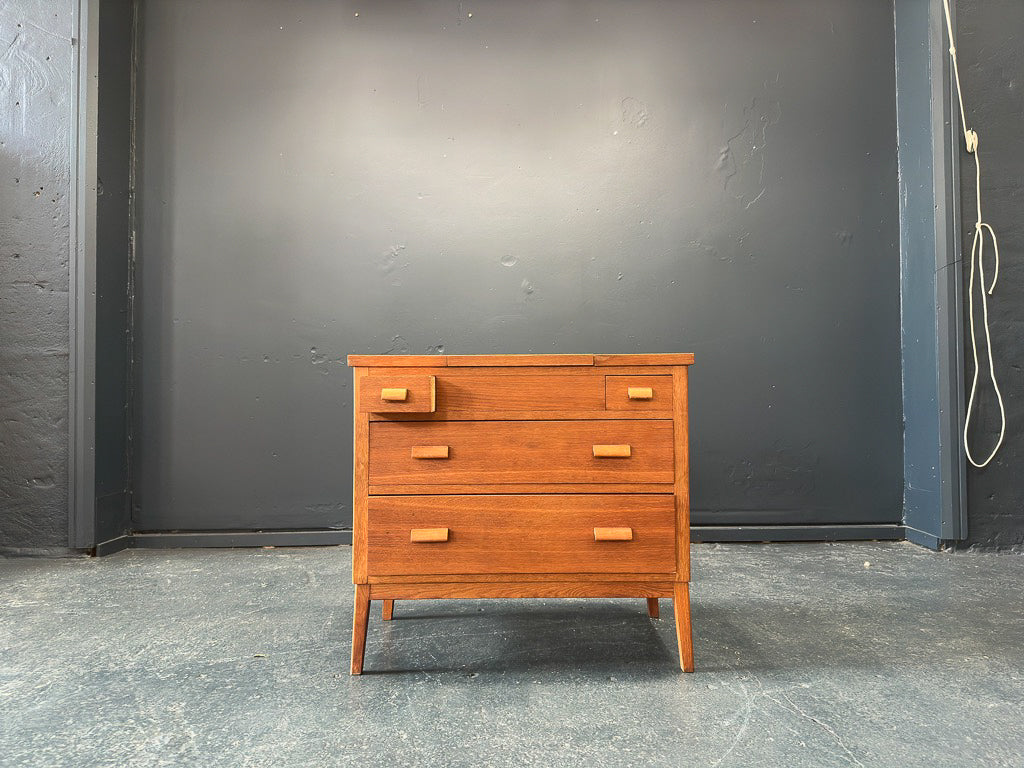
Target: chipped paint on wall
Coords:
[(35, 170)]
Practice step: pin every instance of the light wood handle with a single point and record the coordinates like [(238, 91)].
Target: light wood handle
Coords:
[(611, 451), (640, 393), (613, 534), (425, 535), (394, 394), (430, 451)]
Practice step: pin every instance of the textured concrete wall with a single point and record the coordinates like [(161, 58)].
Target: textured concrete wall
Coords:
[(991, 55), (36, 87)]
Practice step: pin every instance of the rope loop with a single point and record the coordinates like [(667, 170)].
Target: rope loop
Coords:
[(977, 267)]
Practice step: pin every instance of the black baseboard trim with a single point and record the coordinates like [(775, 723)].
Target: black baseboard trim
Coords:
[(331, 538), (758, 533), (223, 540), (51, 552), (113, 546), (181, 539)]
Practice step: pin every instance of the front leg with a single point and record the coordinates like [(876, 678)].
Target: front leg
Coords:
[(684, 631), (360, 620)]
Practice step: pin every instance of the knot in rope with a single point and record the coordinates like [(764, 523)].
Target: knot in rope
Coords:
[(971, 139)]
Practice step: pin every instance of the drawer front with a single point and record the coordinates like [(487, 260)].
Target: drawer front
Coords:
[(397, 394), (520, 452), (448, 535), (638, 393), (524, 392)]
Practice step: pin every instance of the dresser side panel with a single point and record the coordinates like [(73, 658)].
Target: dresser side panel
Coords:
[(681, 439), (360, 479)]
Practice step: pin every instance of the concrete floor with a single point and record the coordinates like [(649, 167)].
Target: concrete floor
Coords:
[(805, 656)]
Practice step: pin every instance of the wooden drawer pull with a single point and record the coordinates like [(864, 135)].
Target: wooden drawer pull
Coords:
[(613, 534), (640, 393), (425, 535), (611, 451), (430, 451), (394, 394)]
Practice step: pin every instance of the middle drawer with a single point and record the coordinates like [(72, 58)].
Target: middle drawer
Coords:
[(520, 452)]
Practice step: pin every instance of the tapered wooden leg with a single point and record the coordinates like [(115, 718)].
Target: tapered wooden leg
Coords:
[(652, 607), (359, 622), (387, 609), (684, 630)]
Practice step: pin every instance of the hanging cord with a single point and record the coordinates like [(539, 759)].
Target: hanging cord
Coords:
[(977, 251)]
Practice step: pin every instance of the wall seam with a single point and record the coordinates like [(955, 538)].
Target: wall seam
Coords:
[(129, 453)]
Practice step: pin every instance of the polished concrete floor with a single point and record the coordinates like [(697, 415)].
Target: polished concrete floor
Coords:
[(865, 654)]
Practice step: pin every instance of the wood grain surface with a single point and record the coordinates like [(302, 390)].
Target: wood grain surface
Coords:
[(505, 361), (684, 629), (683, 358), (412, 590), (521, 452), (521, 534), (495, 488), (360, 620), (681, 419), (474, 391)]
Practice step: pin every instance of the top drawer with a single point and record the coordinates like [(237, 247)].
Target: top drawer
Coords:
[(397, 394), (527, 395)]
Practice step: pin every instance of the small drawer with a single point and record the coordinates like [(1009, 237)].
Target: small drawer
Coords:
[(439, 453), (638, 393), (397, 394), (597, 533)]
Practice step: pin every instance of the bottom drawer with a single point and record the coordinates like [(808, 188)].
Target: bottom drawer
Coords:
[(521, 534)]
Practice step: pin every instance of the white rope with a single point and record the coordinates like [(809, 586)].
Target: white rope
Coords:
[(977, 252)]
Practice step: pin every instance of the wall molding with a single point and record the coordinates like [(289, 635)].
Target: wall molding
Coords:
[(82, 279), (790, 533), (224, 539), (930, 275)]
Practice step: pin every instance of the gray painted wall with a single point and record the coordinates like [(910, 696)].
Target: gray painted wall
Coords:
[(36, 120), (113, 231), (992, 73), (929, 275), (715, 177), (917, 272)]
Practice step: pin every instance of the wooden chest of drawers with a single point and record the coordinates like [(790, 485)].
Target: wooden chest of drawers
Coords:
[(521, 476)]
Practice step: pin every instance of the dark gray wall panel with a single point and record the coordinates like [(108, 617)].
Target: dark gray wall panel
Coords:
[(715, 177), (36, 120), (992, 72), (917, 273), (112, 267), (930, 278)]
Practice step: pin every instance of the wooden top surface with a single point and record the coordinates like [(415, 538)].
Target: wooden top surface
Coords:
[(462, 361)]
